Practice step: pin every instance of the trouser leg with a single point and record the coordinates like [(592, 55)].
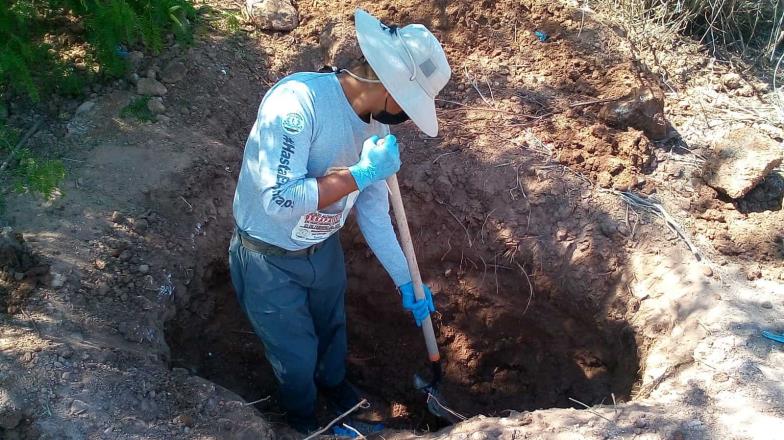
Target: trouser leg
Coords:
[(327, 307), (270, 290)]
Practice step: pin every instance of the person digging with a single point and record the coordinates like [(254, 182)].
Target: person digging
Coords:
[(321, 146)]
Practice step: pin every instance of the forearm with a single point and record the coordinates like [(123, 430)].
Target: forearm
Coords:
[(334, 186)]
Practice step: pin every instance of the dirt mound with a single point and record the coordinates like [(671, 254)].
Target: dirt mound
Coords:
[(20, 271)]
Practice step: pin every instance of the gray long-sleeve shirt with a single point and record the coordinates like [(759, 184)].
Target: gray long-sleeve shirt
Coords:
[(305, 126)]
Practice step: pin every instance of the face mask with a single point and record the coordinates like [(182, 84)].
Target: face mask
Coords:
[(387, 118)]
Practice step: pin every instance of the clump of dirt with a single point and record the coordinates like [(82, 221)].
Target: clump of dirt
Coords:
[(20, 271)]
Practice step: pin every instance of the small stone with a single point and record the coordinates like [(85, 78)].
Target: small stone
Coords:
[(155, 105), (19, 276), (184, 420), (85, 107), (143, 268), (707, 271), (100, 264), (753, 274), (117, 217), (58, 280), (562, 234), (151, 73), (173, 72), (67, 375), (731, 81), (27, 357), (102, 289), (721, 377), (276, 15), (140, 226), (766, 305), (135, 58), (79, 407), (150, 87), (447, 272)]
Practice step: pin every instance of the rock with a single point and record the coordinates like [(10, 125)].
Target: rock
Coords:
[(731, 81), (79, 407), (707, 271), (740, 160), (173, 72), (100, 264), (561, 234), (58, 280), (152, 74), (642, 108), (102, 289), (721, 377), (150, 87), (143, 268), (753, 274), (184, 420), (135, 58), (276, 15), (85, 107), (155, 105), (140, 226), (27, 357), (117, 217), (11, 411), (766, 305)]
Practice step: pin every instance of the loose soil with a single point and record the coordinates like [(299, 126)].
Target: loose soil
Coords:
[(121, 322)]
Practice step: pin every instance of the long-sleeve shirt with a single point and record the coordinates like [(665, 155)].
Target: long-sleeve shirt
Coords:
[(305, 127)]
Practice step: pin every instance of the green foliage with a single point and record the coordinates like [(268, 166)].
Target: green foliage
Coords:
[(28, 172), (138, 109), (30, 66), (33, 174), (231, 22)]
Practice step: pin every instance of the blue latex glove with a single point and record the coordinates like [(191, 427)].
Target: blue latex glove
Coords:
[(378, 161), (420, 309), (773, 336), (364, 428)]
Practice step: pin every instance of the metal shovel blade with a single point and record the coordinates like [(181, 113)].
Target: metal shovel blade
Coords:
[(435, 401)]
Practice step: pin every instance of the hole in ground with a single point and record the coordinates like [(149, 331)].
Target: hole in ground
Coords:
[(496, 357)]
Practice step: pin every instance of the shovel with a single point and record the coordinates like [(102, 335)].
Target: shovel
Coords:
[(435, 403)]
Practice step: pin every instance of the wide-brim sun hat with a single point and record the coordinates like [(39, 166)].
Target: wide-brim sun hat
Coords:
[(409, 62)]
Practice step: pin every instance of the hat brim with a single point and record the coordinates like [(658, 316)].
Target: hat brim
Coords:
[(388, 60)]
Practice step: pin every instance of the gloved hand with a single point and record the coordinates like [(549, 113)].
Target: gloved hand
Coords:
[(420, 309), (378, 161)]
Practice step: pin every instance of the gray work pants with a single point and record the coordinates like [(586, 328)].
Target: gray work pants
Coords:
[(296, 307)]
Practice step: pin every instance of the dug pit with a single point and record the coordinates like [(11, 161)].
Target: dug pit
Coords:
[(503, 349)]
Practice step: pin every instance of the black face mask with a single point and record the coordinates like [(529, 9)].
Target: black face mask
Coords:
[(387, 118)]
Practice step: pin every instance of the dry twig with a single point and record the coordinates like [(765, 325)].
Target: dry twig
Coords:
[(362, 404), (588, 408)]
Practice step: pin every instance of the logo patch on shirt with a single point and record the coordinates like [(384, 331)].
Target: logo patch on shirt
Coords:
[(293, 123)]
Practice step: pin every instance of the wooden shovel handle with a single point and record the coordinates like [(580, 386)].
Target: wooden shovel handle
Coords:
[(408, 249)]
